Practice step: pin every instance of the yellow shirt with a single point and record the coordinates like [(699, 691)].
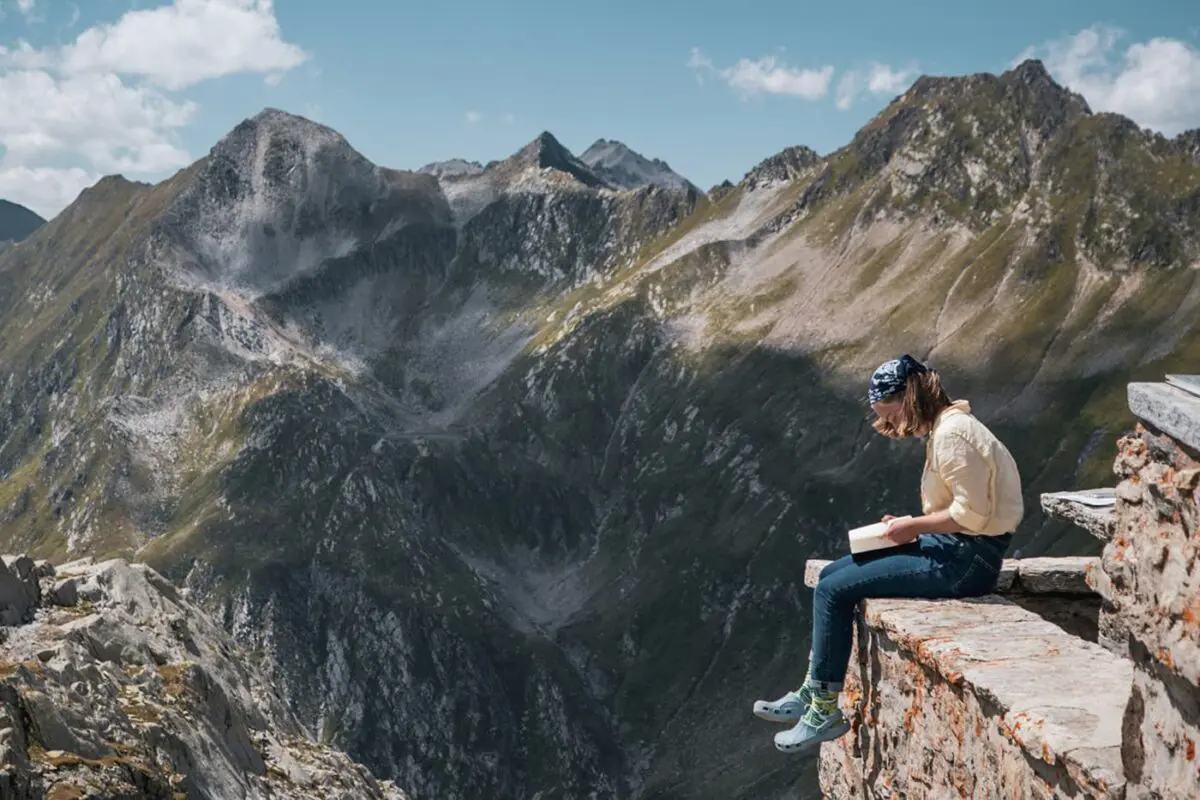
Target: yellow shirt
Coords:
[(969, 471)]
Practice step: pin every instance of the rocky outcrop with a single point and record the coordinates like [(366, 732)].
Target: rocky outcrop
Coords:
[(982, 699), (786, 165), (114, 685)]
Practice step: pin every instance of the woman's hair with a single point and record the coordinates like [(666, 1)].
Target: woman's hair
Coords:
[(924, 398)]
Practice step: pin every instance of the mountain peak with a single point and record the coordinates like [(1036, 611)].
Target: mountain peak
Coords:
[(785, 165), (626, 168), (546, 152), (1030, 71)]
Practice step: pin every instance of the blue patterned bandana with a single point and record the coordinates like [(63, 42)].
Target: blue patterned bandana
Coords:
[(892, 377)]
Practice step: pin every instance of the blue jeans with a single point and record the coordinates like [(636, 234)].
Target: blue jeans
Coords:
[(935, 565)]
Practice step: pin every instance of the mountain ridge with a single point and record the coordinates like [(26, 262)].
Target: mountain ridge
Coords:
[(625, 168)]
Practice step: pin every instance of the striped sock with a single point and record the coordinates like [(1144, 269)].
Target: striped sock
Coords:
[(821, 705)]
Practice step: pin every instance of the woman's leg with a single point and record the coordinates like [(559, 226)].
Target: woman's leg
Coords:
[(932, 566), (936, 565), (838, 592), (794, 704)]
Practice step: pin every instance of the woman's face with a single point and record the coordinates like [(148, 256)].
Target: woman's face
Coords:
[(889, 410)]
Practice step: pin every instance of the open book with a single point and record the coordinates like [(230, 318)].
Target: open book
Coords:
[(870, 537)]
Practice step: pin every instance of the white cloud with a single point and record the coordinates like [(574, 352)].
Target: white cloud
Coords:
[(473, 117), (509, 119), (25, 6), (766, 75), (1156, 83), (178, 45), (45, 190), (877, 79), (106, 104)]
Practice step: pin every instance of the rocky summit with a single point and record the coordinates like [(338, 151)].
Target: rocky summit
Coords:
[(505, 476), (626, 169)]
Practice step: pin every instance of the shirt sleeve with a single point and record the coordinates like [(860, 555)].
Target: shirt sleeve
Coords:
[(968, 475)]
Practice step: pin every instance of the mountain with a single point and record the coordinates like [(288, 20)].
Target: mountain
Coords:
[(454, 168), (17, 222), (507, 479), (626, 169)]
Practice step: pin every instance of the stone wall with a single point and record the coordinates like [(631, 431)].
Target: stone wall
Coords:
[(1151, 585), (976, 699), (990, 698)]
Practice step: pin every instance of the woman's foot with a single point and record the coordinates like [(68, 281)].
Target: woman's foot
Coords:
[(788, 708), (822, 722)]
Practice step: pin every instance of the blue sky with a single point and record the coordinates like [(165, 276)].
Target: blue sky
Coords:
[(711, 87)]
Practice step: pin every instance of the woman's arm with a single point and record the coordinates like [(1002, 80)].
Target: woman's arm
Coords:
[(905, 531)]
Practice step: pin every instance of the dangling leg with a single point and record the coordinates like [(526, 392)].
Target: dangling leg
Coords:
[(793, 705), (915, 570)]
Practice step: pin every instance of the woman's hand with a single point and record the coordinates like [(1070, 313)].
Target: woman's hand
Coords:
[(901, 532)]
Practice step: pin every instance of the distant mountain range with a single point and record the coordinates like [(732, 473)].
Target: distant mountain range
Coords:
[(17, 222), (607, 164)]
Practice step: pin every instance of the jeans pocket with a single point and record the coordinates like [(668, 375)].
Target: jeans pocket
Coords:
[(978, 579)]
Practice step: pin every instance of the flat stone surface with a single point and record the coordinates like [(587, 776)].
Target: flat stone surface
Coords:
[(1018, 575), (1169, 409), (1066, 575), (1188, 383), (1060, 698), (1100, 521)]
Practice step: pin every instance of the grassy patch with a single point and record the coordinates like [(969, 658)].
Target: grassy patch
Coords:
[(873, 270)]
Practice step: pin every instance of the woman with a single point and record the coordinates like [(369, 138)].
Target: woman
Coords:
[(971, 504)]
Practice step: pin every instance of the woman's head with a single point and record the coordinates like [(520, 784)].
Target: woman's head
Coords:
[(906, 397)]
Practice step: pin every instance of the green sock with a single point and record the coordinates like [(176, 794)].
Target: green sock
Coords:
[(806, 687), (820, 706)]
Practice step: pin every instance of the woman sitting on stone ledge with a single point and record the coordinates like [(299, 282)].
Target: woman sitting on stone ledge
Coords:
[(971, 504)]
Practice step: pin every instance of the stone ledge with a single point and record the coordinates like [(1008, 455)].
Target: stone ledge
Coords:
[(1169, 409), (1019, 575), (1100, 521), (1059, 699)]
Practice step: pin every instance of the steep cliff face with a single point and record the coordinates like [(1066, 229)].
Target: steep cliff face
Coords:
[(508, 475)]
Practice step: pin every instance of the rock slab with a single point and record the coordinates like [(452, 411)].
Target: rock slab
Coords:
[(1096, 520)]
